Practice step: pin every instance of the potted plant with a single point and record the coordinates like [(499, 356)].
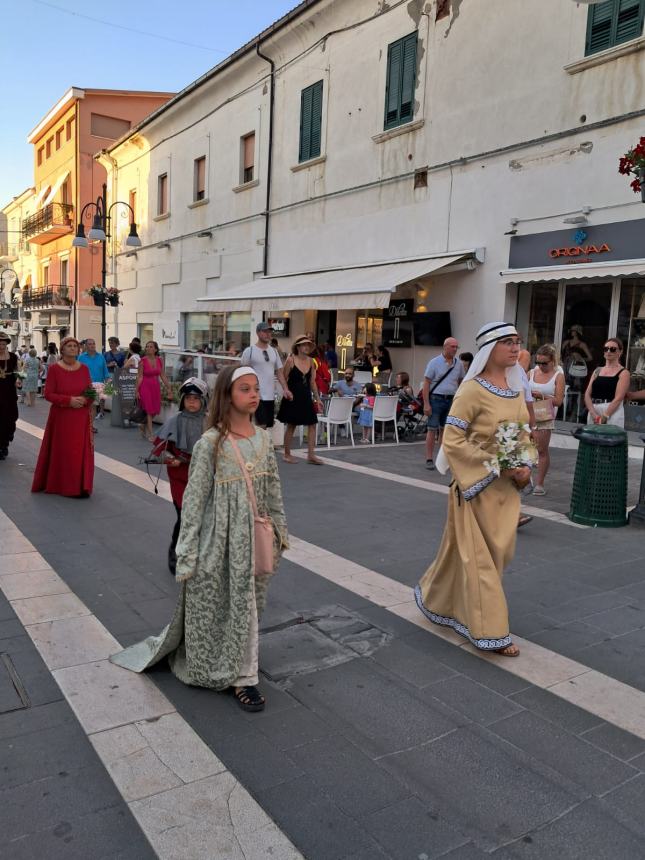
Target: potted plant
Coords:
[(632, 163), (112, 296), (98, 295)]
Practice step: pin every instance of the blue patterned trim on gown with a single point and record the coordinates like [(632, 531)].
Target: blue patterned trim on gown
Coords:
[(457, 422), (500, 392), (476, 489), (458, 627)]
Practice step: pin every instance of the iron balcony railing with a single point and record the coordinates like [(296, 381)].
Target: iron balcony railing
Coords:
[(46, 297), (49, 216)]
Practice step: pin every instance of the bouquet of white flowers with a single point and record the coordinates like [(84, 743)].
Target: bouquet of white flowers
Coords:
[(512, 452)]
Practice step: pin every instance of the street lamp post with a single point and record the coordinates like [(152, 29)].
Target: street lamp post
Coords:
[(100, 231)]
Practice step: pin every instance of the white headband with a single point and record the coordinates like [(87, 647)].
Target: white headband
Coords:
[(493, 332), (242, 371)]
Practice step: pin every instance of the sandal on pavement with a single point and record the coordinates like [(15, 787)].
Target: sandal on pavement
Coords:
[(510, 651), (539, 491), (249, 698), (524, 520), (315, 461), (289, 459)]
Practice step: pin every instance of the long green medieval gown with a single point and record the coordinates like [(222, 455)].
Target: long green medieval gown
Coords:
[(206, 639)]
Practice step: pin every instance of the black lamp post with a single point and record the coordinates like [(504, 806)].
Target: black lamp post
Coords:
[(100, 231)]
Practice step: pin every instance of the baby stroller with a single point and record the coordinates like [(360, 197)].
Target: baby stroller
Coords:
[(410, 418)]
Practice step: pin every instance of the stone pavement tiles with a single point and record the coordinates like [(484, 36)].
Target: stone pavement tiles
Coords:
[(56, 799), (378, 739)]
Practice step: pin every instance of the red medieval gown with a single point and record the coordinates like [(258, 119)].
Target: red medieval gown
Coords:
[(66, 460)]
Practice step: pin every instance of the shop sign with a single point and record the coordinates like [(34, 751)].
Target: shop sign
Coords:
[(622, 240), (397, 324), (345, 343), (280, 326), (169, 335)]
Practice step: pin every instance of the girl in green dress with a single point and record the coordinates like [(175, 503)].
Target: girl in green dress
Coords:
[(212, 640)]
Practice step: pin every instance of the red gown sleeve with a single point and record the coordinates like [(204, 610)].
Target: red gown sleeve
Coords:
[(51, 386)]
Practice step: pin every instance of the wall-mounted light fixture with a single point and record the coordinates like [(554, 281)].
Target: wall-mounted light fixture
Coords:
[(582, 218)]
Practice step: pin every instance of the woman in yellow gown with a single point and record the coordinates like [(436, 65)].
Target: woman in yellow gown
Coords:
[(462, 589)]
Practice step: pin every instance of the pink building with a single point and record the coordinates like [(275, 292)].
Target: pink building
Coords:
[(66, 177)]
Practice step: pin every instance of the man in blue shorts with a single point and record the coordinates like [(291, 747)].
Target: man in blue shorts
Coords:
[(443, 376)]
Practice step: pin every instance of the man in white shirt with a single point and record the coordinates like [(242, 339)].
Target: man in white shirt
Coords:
[(266, 362)]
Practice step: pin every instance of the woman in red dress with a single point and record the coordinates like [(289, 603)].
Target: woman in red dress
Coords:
[(66, 460), (148, 390)]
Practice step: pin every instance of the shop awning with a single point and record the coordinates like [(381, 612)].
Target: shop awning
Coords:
[(55, 187), (618, 269), (360, 287)]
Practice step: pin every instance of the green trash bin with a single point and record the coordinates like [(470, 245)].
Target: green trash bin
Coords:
[(599, 495)]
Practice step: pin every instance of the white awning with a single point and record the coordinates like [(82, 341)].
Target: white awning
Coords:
[(39, 197), (55, 187), (360, 287), (618, 269)]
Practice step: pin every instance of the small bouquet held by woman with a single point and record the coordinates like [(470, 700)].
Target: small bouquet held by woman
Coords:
[(514, 452)]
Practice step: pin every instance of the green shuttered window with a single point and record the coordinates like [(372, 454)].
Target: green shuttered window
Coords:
[(401, 79), (310, 121), (612, 23)]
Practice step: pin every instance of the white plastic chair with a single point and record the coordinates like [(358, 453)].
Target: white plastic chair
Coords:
[(363, 376), (384, 411), (339, 414)]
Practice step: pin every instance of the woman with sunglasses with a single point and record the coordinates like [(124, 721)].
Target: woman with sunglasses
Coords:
[(608, 388), (547, 388)]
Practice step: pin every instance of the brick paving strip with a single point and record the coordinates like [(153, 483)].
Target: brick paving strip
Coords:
[(595, 692), (184, 799)]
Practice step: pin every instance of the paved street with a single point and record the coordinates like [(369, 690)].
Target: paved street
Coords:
[(382, 737)]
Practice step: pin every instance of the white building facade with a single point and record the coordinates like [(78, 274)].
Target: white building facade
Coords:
[(393, 164)]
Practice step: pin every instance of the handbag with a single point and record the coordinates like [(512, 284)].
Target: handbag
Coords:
[(136, 415), (543, 410), (578, 368), (262, 526)]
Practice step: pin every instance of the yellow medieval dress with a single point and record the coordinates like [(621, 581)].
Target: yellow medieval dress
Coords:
[(462, 589)]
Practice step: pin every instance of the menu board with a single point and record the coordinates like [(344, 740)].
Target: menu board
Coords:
[(125, 384)]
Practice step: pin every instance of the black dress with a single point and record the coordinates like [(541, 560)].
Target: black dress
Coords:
[(8, 400), (300, 410)]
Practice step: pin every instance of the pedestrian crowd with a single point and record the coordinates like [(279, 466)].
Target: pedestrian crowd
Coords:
[(230, 528)]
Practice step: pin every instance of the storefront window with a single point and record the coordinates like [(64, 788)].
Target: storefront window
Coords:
[(212, 332), (369, 329), (536, 314), (631, 329), (586, 323), (145, 333)]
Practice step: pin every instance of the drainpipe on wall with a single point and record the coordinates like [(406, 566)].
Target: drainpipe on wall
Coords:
[(77, 209), (267, 213)]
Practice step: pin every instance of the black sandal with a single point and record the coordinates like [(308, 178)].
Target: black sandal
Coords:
[(249, 698)]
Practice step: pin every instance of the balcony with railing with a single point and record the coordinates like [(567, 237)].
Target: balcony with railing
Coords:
[(50, 296), (50, 222)]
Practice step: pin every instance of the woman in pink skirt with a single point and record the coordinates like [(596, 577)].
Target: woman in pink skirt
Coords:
[(148, 389)]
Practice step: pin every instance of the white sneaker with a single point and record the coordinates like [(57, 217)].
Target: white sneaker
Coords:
[(539, 491)]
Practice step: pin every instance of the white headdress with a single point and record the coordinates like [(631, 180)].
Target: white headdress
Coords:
[(242, 371), (487, 337)]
